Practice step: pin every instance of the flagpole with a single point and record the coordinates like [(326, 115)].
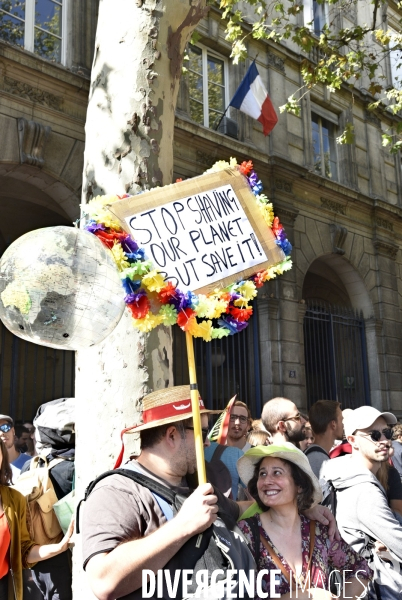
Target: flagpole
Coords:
[(228, 106), (221, 119), (195, 406)]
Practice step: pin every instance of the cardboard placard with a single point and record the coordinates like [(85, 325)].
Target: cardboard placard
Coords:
[(201, 233)]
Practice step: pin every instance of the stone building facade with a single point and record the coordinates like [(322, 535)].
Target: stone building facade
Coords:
[(43, 100), (328, 328)]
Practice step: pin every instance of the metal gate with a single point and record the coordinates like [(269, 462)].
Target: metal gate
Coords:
[(335, 355), (31, 375), (224, 367)]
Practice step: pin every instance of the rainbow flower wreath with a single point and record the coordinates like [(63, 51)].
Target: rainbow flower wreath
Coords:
[(154, 301)]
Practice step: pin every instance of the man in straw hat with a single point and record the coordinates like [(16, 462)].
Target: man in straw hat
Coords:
[(125, 528)]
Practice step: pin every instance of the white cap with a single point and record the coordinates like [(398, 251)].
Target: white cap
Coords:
[(363, 417)]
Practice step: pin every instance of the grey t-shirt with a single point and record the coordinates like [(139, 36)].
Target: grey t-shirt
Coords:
[(317, 457), (120, 510)]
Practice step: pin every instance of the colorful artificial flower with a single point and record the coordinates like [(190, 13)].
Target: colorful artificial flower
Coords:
[(153, 281), (218, 334), (169, 314), (232, 324), (203, 329), (139, 305), (130, 285), (241, 314), (247, 290), (167, 293), (120, 257), (246, 167), (184, 318), (148, 323)]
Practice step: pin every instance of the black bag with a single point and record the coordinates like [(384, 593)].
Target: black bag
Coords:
[(220, 547)]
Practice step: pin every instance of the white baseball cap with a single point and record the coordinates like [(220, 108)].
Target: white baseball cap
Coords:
[(363, 417)]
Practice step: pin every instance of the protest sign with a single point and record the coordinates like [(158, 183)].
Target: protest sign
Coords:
[(202, 233)]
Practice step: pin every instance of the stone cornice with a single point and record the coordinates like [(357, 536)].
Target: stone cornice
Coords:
[(386, 248)]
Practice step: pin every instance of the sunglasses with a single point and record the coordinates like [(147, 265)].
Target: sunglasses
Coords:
[(376, 435), (5, 428), (296, 417), (242, 418), (204, 432)]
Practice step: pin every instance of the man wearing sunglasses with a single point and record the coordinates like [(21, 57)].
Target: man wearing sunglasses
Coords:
[(362, 511), (282, 419), (7, 434)]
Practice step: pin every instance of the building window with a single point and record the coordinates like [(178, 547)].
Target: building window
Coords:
[(35, 25), (207, 76), (315, 15), (324, 147)]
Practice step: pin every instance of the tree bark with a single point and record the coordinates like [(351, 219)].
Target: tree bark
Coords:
[(129, 147)]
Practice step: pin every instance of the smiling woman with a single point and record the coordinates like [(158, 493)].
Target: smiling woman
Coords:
[(281, 481)]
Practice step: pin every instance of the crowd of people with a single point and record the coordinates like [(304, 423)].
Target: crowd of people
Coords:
[(317, 497)]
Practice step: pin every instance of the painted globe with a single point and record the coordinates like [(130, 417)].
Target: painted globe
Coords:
[(59, 287)]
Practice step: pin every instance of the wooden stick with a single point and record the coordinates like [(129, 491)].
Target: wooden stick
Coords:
[(199, 444)]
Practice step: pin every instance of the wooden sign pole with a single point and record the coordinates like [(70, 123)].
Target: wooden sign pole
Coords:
[(199, 444)]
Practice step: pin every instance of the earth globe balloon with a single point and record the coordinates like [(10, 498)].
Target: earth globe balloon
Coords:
[(59, 287)]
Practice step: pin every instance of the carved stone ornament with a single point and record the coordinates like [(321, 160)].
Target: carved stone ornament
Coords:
[(380, 222), (333, 206), (284, 185), (338, 237), (24, 90), (386, 248), (32, 139), (276, 62)]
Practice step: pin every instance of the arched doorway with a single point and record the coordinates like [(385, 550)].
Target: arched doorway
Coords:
[(335, 350), (29, 374)]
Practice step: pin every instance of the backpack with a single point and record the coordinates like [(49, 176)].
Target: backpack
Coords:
[(328, 490), (36, 486), (220, 547)]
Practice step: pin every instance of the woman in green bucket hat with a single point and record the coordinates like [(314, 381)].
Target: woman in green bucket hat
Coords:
[(280, 480)]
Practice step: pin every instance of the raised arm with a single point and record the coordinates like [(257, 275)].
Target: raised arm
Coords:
[(119, 572)]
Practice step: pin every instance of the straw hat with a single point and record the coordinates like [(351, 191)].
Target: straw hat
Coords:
[(167, 406), (246, 464)]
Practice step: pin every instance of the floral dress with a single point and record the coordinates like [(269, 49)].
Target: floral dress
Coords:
[(327, 557)]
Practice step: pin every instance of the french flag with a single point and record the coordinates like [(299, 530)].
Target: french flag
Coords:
[(252, 98)]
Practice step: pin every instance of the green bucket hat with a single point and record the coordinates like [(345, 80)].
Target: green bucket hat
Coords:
[(246, 464)]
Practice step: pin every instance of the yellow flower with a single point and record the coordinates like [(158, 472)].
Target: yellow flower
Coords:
[(210, 307), (148, 323), (221, 165), (247, 290), (268, 213), (203, 330), (97, 209), (203, 306), (280, 269), (153, 281), (120, 257)]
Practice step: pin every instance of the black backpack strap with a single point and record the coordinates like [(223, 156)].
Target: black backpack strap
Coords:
[(255, 530), (154, 486), (313, 448), (218, 452)]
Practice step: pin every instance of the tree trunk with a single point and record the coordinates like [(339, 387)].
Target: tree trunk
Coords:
[(129, 147)]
